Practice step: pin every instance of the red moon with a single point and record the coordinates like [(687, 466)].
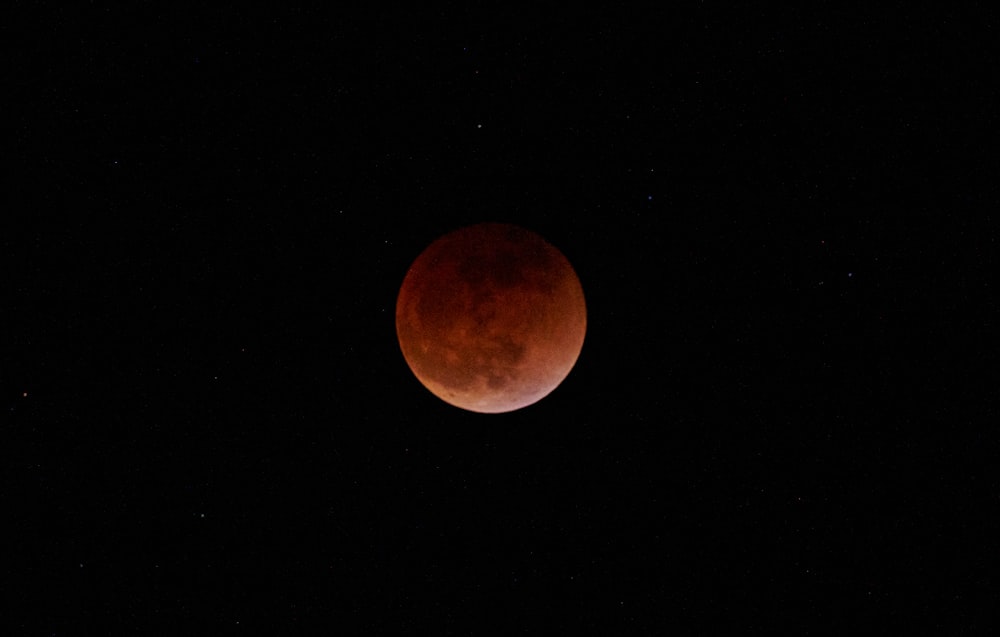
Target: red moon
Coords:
[(491, 318)]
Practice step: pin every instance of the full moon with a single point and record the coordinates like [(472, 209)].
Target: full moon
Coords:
[(491, 318)]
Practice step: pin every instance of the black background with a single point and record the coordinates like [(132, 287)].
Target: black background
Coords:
[(781, 420)]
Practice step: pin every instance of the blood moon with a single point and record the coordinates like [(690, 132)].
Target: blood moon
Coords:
[(491, 318)]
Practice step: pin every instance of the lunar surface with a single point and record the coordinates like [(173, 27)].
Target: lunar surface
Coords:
[(491, 318)]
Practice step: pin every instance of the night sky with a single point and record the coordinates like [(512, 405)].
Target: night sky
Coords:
[(783, 415)]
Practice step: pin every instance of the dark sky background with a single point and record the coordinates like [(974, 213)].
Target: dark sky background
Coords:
[(782, 419)]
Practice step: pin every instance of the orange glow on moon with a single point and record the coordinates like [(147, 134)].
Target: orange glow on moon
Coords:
[(491, 318)]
